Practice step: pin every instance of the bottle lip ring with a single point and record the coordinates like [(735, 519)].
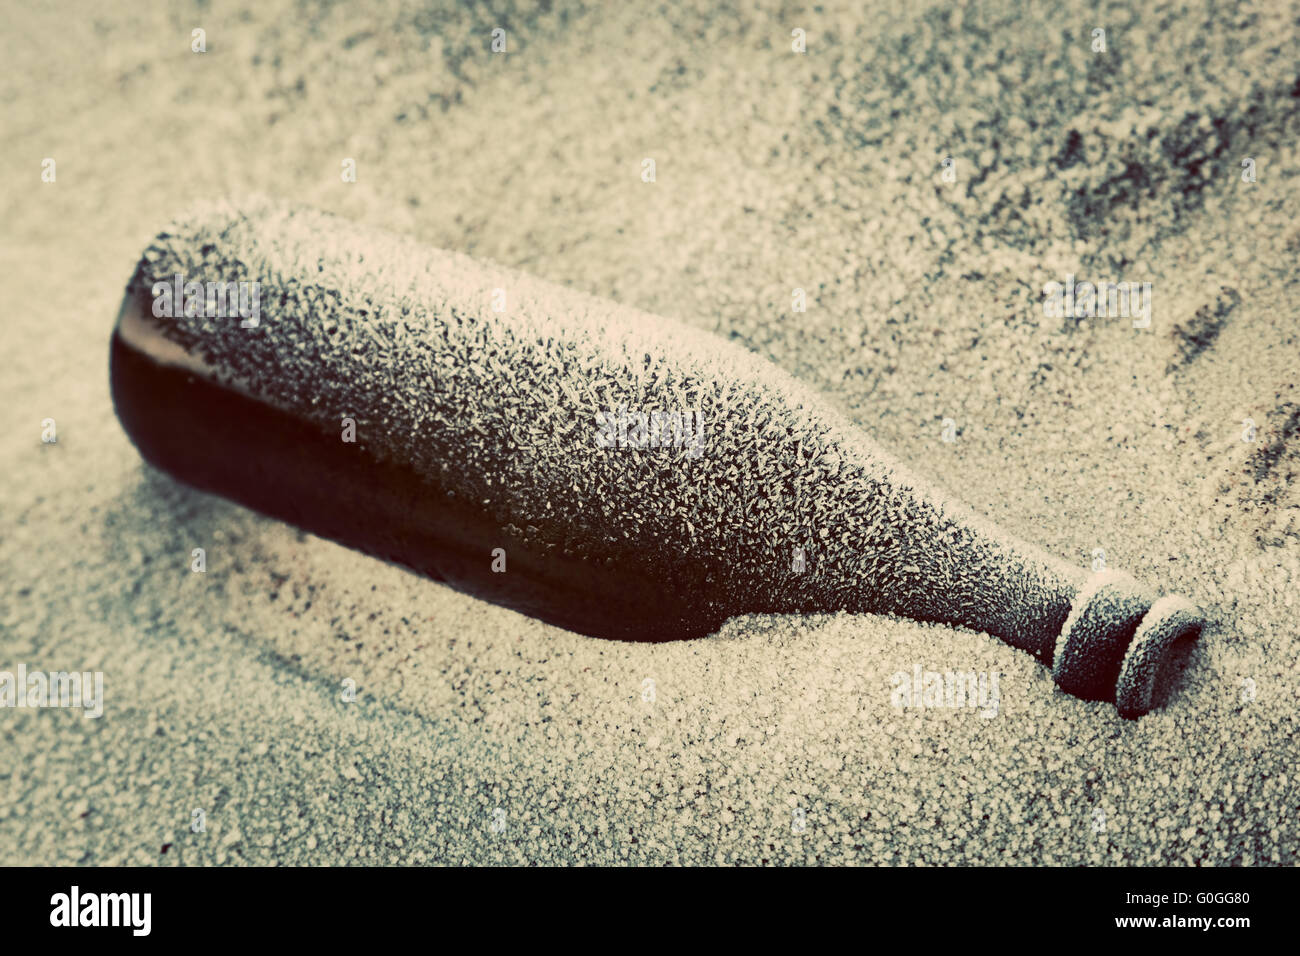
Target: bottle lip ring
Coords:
[(1116, 639), (1082, 599), (1170, 619), (1092, 642)]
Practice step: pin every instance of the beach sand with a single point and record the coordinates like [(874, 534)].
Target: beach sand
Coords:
[(481, 736)]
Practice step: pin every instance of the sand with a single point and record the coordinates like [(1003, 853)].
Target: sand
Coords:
[(481, 736)]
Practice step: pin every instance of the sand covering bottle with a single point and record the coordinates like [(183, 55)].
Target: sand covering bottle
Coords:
[(613, 472)]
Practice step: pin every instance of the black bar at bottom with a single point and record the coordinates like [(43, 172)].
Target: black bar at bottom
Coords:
[(303, 906)]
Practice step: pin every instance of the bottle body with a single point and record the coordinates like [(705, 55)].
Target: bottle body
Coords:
[(613, 472)]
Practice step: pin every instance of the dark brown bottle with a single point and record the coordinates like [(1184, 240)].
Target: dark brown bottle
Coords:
[(615, 473)]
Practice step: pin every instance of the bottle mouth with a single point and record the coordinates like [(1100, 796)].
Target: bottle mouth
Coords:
[(1116, 643), (1151, 663)]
